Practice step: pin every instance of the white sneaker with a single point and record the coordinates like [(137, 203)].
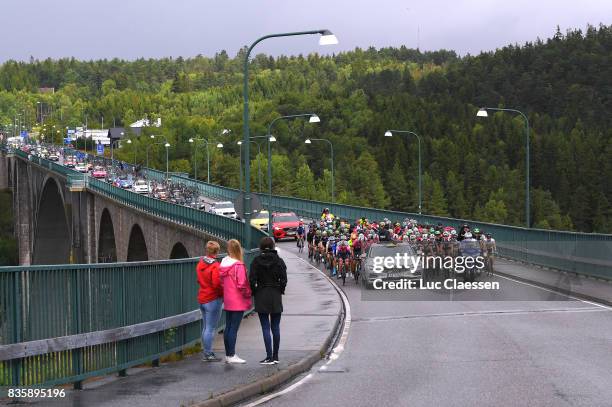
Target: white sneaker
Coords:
[(234, 359)]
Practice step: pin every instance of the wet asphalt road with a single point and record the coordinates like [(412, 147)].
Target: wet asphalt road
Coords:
[(520, 346)]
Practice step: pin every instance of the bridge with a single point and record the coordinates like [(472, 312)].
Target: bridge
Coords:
[(78, 317)]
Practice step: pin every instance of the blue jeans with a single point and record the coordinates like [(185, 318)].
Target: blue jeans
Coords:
[(230, 333), (211, 311), (270, 322)]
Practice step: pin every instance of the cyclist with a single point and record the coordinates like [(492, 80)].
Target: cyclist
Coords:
[(490, 250), (312, 229), (330, 250), (342, 253), (316, 243), (462, 231), (300, 232), (323, 244), (326, 215), (357, 249)]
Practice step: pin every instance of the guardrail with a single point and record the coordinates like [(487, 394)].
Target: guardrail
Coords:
[(64, 324)]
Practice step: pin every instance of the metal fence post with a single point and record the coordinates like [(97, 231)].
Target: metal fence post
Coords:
[(17, 326), (122, 351), (77, 360)]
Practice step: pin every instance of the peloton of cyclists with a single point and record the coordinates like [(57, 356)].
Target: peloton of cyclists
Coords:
[(340, 243)]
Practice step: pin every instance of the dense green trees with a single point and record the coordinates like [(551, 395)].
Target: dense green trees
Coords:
[(472, 167)]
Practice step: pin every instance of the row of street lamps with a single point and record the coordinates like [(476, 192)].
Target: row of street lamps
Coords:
[(327, 38)]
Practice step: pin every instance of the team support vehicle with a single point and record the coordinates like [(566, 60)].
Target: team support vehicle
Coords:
[(285, 225)]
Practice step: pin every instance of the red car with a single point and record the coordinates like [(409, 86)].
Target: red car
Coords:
[(284, 225)]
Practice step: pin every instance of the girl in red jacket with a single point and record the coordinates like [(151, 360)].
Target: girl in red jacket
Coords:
[(236, 297), (210, 297)]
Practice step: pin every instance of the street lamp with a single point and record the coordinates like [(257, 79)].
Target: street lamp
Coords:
[(195, 167), (327, 38), (167, 145), (309, 141), (389, 133), (312, 118), (482, 112)]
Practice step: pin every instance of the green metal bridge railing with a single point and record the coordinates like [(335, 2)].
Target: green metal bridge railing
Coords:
[(66, 323)]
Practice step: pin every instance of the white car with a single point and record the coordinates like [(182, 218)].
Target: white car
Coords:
[(141, 187), (224, 209), (80, 167)]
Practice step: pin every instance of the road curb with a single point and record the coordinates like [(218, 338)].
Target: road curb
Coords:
[(267, 384), (574, 294)]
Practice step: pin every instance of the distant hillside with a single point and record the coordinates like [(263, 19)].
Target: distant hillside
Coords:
[(473, 167)]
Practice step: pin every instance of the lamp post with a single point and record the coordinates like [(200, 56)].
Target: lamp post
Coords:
[(327, 38), (167, 145), (331, 146), (482, 112), (313, 118), (195, 168), (389, 133)]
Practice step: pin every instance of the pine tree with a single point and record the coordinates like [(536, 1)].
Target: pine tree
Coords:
[(397, 188), (304, 185)]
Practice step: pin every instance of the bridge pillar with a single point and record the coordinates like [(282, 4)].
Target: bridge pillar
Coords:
[(22, 199), (4, 163), (77, 208)]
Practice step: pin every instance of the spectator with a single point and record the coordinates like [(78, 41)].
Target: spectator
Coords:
[(236, 297), (210, 297), (268, 277)]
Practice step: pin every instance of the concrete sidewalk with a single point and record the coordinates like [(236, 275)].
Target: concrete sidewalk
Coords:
[(567, 283), (312, 311)]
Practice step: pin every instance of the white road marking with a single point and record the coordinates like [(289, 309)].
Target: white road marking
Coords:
[(335, 352), (480, 314), (556, 292)]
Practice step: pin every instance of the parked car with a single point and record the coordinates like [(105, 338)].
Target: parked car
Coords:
[(388, 249), (224, 209), (284, 225), (99, 172), (141, 187), (260, 220), (53, 157)]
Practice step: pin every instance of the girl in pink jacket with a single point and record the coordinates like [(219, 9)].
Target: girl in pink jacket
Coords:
[(236, 297)]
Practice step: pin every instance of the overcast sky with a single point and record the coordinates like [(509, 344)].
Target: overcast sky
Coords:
[(87, 29)]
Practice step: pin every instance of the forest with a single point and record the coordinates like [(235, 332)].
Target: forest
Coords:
[(473, 167)]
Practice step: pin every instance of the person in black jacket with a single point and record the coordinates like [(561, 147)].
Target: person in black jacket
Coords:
[(268, 279)]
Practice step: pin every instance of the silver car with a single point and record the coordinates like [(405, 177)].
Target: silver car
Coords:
[(373, 263)]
